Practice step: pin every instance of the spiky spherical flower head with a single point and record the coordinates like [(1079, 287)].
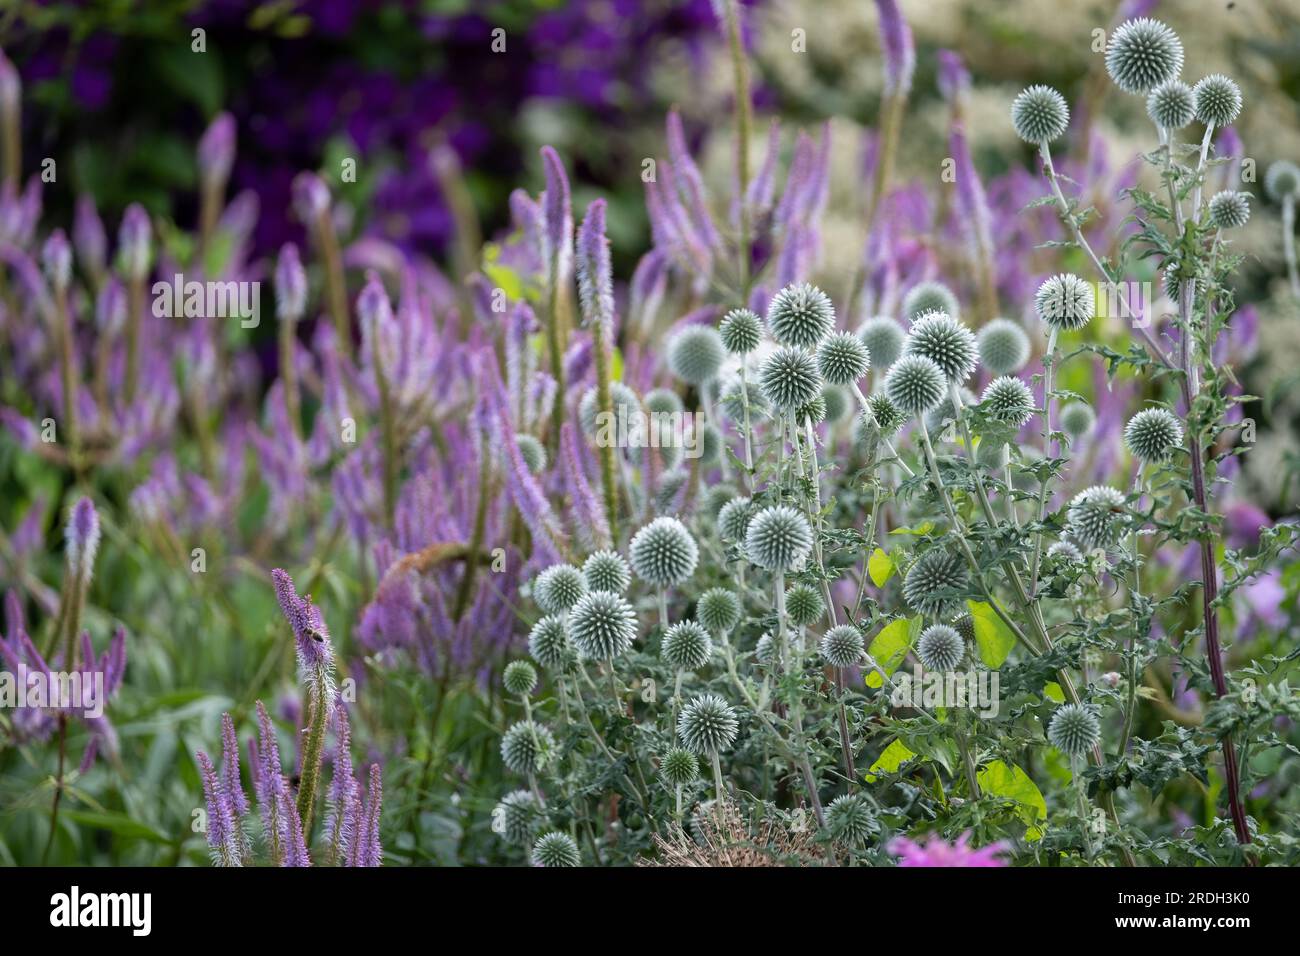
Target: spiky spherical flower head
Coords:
[(1003, 347), (733, 519), (556, 849), (1040, 114), (714, 497), (695, 354), (1009, 400), (734, 394), (707, 725), (527, 747), (1218, 100), (1171, 105), (889, 417), (946, 342), (883, 338), (710, 440), (800, 315), (837, 402), (940, 648), (548, 643), (842, 358), (765, 650), (607, 571), (778, 539), (1097, 516), (519, 678), (1066, 302), (843, 646), (663, 553), (1077, 419), (532, 452), (602, 625), (964, 625), (936, 584), (804, 604), (1142, 54), (559, 588), (517, 817), (929, 296), (663, 401), (679, 767), (686, 646), (1229, 209), (1064, 554), (1152, 434), (814, 411), (1282, 180), (622, 400), (789, 378), (742, 331), (915, 384), (719, 610), (1074, 729), (850, 820)]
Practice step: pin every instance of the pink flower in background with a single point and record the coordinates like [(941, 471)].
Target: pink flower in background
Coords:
[(935, 852)]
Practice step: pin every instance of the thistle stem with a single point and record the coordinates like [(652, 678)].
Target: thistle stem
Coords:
[(312, 752), (1288, 244)]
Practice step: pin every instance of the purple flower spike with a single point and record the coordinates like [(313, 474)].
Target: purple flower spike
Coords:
[(896, 45), (230, 767), (370, 853), (88, 235), (595, 282), (557, 215), (295, 847), (11, 86), (217, 149), (315, 652), (954, 78), (290, 284), (110, 308), (56, 258), (134, 243), (340, 793), (221, 821), (82, 538), (311, 197)]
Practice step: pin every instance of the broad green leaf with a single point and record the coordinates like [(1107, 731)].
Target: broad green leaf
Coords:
[(924, 528), (119, 824), (890, 646), (881, 567), (890, 759), (992, 636), (1008, 780), (505, 278), (1053, 692)]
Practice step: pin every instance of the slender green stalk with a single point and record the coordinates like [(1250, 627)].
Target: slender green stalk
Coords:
[(313, 749), (605, 448)]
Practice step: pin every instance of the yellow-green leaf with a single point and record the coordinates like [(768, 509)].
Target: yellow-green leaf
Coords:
[(890, 759), (992, 636), (505, 278), (881, 567), (1053, 692), (1009, 781), (924, 528), (890, 646)]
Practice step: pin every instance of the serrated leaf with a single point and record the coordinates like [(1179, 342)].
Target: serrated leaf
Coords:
[(881, 567)]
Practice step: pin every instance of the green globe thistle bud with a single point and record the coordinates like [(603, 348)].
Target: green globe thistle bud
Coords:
[(1077, 419), (765, 650), (519, 678), (714, 497), (532, 452), (1064, 554), (733, 394), (1142, 54), (814, 411), (804, 604), (936, 584), (623, 401), (964, 625), (800, 315), (1097, 517), (663, 401), (555, 849), (1282, 180), (1218, 100), (945, 413), (686, 646), (707, 725), (842, 358), (915, 384), (517, 817), (710, 445), (889, 417), (1003, 347), (558, 588), (679, 767), (742, 331), (1066, 302), (1171, 105), (733, 519), (837, 403), (527, 747), (850, 820), (695, 354), (778, 539), (607, 571), (789, 378), (883, 338), (670, 483), (663, 553), (1074, 729), (941, 648), (548, 643), (1229, 209), (719, 610), (929, 297), (1008, 400), (602, 625), (1040, 114), (843, 646), (1152, 434)]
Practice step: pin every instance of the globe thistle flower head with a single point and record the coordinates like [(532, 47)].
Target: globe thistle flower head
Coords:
[(707, 725), (1282, 180), (1064, 554), (850, 820), (742, 331), (941, 648), (733, 519), (837, 402), (1040, 114), (517, 817), (800, 315), (710, 440), (929, 296), (813, 411), (733, 394), (1218, 100), (1142, 54), (663, 553), (1229, 209), (718, 609), (778, 539), (663, 401), (519, 678), (686, 646), (888, 416), (556, 849), (679, 767), (548, 643), (789, 378), (1077, 419), (607, 571), (1008, 400), (1171, 105), (765, 650), (1152, 434), (623, 402), (527, 747), (964, 625), (936, 584), (1066, 302), (1096, 517), (559, 588), (532, 452), (602, 625), (804, 604), (695, 354), (843, 646), (1003, 347), (842, 358), (1074, 729), (883, 338), (915, 384)]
